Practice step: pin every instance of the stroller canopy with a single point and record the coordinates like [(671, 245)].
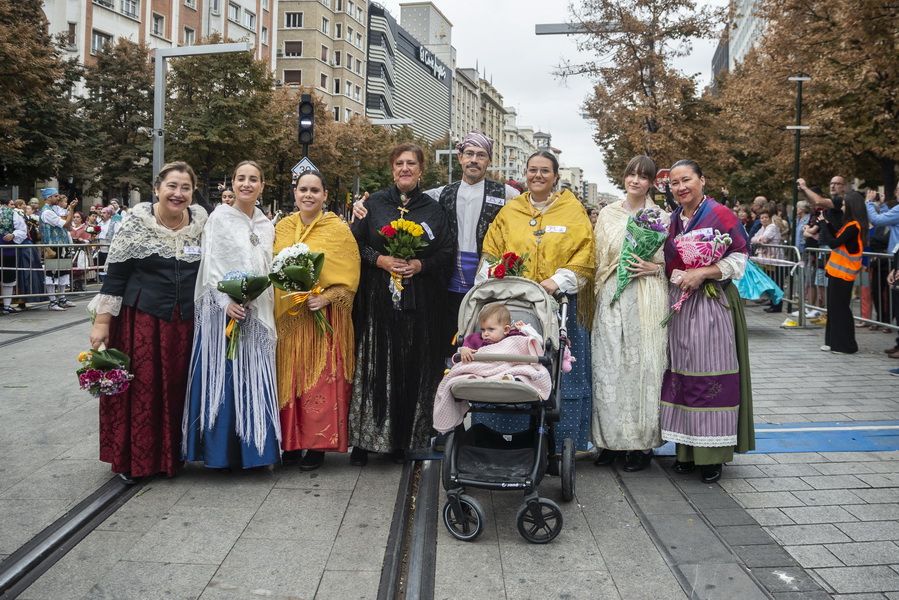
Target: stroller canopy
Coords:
[(514, 292)]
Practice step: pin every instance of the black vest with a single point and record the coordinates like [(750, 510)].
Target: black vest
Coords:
[(488, 211)]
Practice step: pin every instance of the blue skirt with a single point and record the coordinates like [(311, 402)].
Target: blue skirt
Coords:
[(219, 446), (577, 395), (756, 284)]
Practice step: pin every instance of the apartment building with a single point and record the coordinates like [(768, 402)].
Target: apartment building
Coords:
[(90, 24), (322, 44), (493, 118), (518, 143)]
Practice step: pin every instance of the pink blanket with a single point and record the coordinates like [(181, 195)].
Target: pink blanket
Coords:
[(448, 413)]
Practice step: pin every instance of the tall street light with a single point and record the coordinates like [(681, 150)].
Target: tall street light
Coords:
[(798, 127)]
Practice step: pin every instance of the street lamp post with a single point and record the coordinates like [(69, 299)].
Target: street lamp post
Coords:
[(797, 128), (161, 55)]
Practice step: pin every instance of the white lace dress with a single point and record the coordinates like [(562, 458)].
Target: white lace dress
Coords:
[(629, 345)]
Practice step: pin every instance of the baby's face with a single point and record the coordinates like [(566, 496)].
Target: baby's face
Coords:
[(493, 331)]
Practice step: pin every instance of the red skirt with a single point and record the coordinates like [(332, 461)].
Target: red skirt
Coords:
[(318, 420), (140, 429)]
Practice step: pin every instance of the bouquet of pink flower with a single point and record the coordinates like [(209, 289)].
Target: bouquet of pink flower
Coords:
[(646, 232), (699, 248), (104, 372)]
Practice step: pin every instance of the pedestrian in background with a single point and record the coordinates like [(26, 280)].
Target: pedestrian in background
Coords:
[(55, 222), (13, 231), (706, 392), (145, 309), (843, 265), (769, 234), (314, 367)]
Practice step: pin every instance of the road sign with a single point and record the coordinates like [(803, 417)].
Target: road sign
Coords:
[(301, 167)]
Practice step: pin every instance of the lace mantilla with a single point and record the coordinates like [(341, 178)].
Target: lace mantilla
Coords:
[(140, 236)]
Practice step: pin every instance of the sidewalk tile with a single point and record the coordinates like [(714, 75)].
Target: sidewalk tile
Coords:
[(753, 459), (829, 497), (689, 540), (299, 515), (744, 535), (779, 484), (852, 580), (875, 512), (728, 516), (786, 579), (881, 480), (799, 457), (871, 531), (790, 535), (462, 586), (742, 471), (841, 468), (769, 516), (833, 482), (866, 553), (813, 556), (335, 474), (888, 466), (850, 456), (764, 555), (146, 508), (23, 519), (877, 495), (356, 585), (732, 486), (720, 581), (152, 581), (571, 584), (806, 515), (790, 470), (767, 499)]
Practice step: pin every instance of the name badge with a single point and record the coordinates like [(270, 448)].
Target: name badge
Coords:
[(556, 229), (496, 201), (192, 250), (428, 231)]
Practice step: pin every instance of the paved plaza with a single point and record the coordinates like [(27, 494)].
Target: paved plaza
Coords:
[(822, 522)]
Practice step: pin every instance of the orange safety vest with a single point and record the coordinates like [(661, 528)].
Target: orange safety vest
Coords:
[(843, 264)]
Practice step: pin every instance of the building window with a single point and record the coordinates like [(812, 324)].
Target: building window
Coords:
[(349, 34), (323, 83), (358, 69), (293, 20), (338, 31), (99, 40), (357, 95), (293, 77), (264, 35), (233, 12), (326, 26), (215, 7), (326, 52), (293, 48), (347, 114), (338, 6), (249, 20), (349, 61), (336, 86), (190, 3), (70, 37), (337, 113), (158, 25), (190, 36), (106, 3), (359, 40), (130, 8), (350, 8), (348, 90), (336, 58), (264, 4)]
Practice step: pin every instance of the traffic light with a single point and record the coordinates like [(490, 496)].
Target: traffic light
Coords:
[(306, 119)]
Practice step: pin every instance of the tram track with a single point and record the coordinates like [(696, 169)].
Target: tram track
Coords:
[(33, 334)]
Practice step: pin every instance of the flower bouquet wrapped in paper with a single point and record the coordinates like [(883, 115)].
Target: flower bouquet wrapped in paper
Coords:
[(404, 240), (296, 270), (242, 288), (508, 264), (104, 371), (646, 232), (699, 248)]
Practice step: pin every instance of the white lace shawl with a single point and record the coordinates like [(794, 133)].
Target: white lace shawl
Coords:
[(139, 237), (227, 247)]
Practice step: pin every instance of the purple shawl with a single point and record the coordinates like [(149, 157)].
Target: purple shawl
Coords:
[(712, 215)]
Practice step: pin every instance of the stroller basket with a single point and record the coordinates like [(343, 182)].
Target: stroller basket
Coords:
[(486, 455)]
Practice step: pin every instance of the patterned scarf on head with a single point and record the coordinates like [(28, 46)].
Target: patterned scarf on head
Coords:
[(476, 139)]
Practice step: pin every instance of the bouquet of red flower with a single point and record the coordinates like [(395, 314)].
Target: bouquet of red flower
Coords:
[(404, 240), (699, 248), (104, 372), (508, 264)]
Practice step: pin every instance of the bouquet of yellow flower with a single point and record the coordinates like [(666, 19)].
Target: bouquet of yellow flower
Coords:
[(404, 240), (104, 371)]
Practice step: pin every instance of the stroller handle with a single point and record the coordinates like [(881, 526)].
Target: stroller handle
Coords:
[(512, 358)]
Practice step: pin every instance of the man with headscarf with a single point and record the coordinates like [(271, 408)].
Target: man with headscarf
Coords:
[(471, 205), (55, 222)]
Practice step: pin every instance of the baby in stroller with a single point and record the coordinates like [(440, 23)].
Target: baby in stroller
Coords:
[(498, 335)]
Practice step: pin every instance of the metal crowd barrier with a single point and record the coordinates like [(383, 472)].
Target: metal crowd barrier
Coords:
[(33, 263), (872, 294), (785, 265)]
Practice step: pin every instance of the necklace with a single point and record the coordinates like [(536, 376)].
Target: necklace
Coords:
[(172, 228)]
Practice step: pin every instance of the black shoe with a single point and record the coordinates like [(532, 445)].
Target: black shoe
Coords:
[(711, 473), (683, 467), (127, 478), (606, 457), (312, 460), (359, 457), (398, 456), (774, 309), (291, 457), (440, 442), (636, 460)]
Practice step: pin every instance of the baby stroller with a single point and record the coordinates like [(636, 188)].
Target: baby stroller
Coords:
[(482, 458)]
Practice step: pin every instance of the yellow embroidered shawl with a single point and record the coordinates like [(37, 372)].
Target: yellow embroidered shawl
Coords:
[(567, 241), (302, 351)]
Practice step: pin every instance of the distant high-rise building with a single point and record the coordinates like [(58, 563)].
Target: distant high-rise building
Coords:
[(430, 27), (466, 102), (493, 118), (322, 45), (89, 25), (720, 64), (745, 31), (518, 144)]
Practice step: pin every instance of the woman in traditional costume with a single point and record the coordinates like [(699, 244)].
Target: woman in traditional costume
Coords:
[(231, 419), (553, 231), (706, 392), (629, 347), (400, 345), (146, 309), (315, 368)]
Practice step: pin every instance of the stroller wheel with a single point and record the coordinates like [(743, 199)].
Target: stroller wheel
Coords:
[(539, 521), (568, 471), (469, 524), (445, 463)]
